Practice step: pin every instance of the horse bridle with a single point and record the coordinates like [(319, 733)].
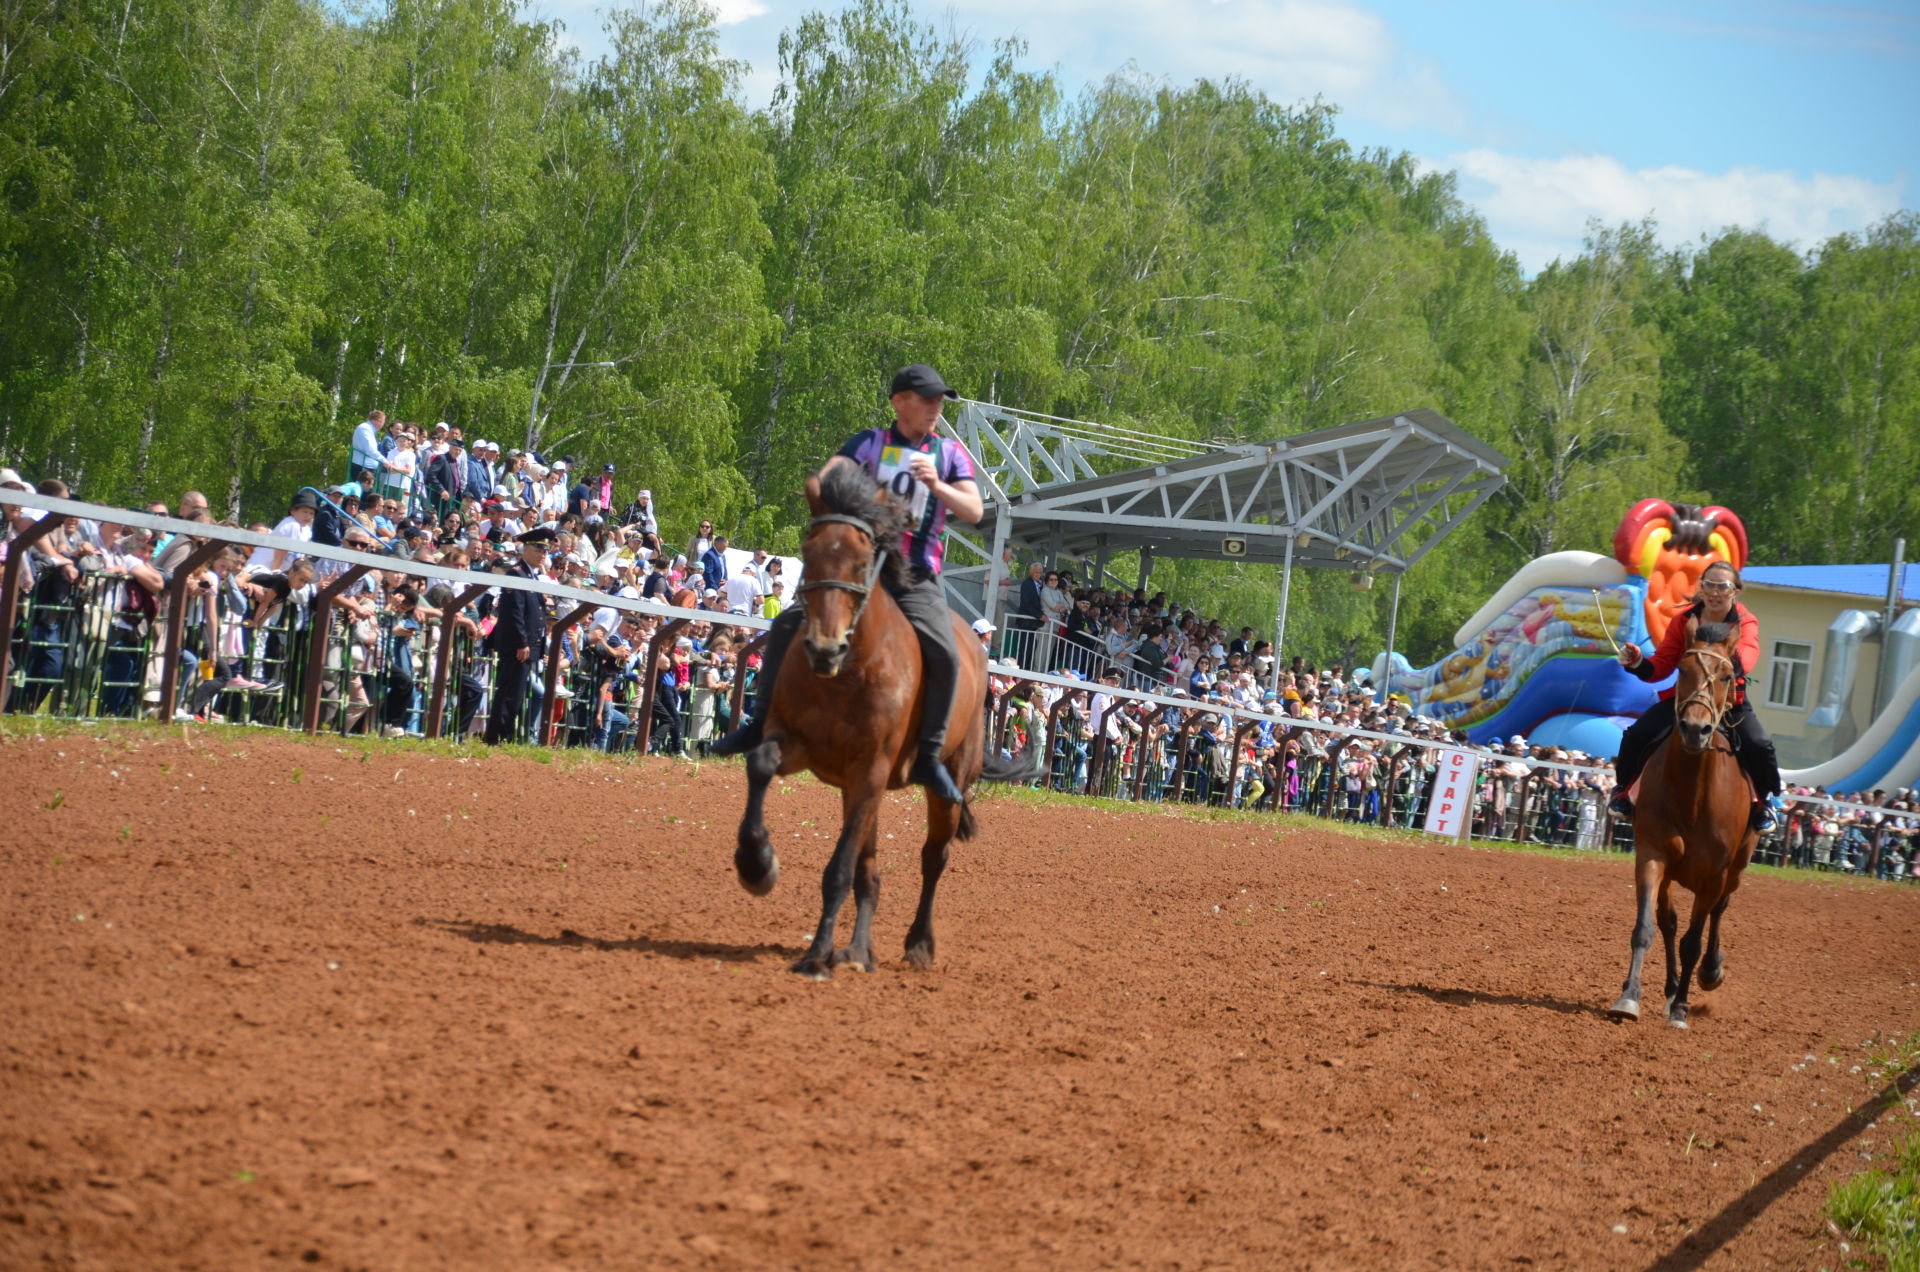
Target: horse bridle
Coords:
[(862, 590), (1703, 694)]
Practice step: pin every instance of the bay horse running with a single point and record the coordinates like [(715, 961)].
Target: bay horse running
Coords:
[(1690, 825), (850, 712)]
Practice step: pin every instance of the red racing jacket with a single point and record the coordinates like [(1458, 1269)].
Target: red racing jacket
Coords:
[(1674, 643)]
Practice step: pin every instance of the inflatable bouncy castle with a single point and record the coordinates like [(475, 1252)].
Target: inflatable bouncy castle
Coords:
[(1538, 658)]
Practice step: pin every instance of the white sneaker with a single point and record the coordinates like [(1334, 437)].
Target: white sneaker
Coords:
[(184, 716), (393, 731)]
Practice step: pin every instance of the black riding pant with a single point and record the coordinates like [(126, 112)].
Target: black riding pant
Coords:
[(1750, 743), (924, 602)]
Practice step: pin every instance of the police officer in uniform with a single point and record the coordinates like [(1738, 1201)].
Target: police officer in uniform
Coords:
[(519, 637), (933, 476)]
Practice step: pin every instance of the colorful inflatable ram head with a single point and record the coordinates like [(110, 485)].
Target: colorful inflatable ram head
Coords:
[(1669, 545)]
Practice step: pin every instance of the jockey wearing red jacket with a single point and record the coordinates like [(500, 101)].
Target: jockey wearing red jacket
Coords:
[(1715, 603)]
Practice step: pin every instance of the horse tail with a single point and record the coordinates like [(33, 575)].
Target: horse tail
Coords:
[(1017, 771)]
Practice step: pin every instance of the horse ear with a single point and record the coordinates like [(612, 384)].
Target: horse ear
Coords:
[(813, 495)]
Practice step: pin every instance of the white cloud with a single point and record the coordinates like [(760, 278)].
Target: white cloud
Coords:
[(733, 12), (1539, 208), (1293, 50)]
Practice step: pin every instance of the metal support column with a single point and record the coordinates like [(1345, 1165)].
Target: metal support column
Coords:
[(1146, 568), (996, 568), (1280, 622), (1393, 621)]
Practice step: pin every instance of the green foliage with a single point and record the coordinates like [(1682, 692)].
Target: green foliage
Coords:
[(229, 229), (1881, 1209)]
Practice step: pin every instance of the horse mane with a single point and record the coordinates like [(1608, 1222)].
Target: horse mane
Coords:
[(1712, 633), (1719, 634), (847, 490)]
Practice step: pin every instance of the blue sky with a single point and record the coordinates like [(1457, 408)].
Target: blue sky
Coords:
[(1802, 119)]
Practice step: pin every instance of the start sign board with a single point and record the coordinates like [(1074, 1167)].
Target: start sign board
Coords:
[(1450, 813)]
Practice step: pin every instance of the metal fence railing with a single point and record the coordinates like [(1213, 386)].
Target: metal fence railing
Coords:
[(346, 654)]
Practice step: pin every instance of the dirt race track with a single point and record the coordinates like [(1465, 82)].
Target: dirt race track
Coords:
[(272, 1002)]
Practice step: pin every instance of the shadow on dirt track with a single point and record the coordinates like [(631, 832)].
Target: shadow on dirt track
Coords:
[(1478, 998), (505, 934)]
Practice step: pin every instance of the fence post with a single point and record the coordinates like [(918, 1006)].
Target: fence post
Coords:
[(1146, 733), (320, 626), (443, 665), (544, 737), (10, 591), (176, 629), (650, 686), (739, 692)]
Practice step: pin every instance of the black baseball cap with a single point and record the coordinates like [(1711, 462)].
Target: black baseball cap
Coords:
[(920, 378)]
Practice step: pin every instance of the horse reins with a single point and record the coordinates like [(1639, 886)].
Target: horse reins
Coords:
[(862, 590)]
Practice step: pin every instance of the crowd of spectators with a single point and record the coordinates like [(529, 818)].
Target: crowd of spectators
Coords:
[(96, 596)]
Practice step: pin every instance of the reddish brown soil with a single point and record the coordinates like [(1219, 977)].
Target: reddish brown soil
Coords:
[(271, 1001)]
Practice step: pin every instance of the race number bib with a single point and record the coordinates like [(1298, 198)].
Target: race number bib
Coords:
[(895, 473)]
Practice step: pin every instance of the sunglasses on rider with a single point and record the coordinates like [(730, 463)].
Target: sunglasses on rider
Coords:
[(1716, 586)]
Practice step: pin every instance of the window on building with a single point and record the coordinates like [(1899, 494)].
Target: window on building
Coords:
[(1788, 675)]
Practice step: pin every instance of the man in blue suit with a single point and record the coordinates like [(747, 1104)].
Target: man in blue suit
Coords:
[(713, 562)]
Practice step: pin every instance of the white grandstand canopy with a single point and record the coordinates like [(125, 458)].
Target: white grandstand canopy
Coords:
[(1373, 496)]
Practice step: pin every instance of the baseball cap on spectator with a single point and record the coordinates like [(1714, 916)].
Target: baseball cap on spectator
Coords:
[(1516, 740), (516, 451), (981, 627), (607, 469), (918, 377), (647, 495), (605, 571), (1269, 696), (709, 594), (442, 427), (685, 642), (559, 466)]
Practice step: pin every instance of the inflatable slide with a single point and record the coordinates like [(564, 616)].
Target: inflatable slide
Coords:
[(1538, 658), (1886, 756)]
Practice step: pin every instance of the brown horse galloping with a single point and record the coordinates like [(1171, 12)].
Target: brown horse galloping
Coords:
[(1690, 825), (850, 712)]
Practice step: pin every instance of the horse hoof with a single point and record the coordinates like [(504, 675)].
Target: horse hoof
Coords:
[(1678, 1022), (1625, 1009), (1712, 980), (813, 969), (845, 958), (919, 958), (764, 885)]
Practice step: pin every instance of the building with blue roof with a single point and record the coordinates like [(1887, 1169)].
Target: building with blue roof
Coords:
[(1823, 638)]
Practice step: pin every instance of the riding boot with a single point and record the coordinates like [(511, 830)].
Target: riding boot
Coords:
[(925, 606), (1762, 765), (1635, 744), (752, 730)]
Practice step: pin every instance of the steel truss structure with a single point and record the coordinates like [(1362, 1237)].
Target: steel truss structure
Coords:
[(1372, 497)]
